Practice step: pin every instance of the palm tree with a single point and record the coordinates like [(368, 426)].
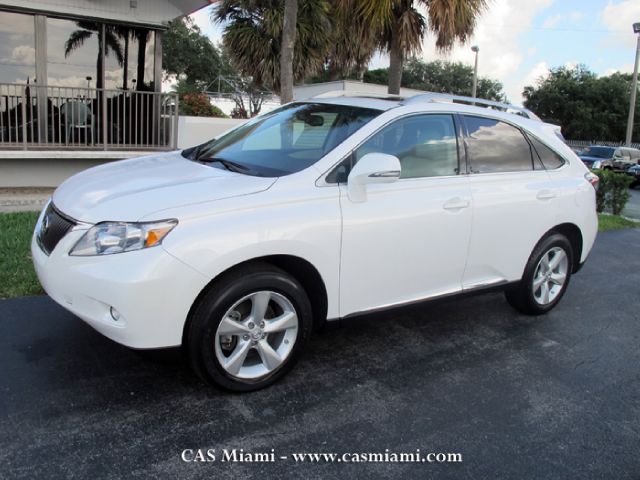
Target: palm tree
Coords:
[(253, 37), (286, 50), (125, 34), (353, 42), (400, 27), (86, 31), (142, 36)]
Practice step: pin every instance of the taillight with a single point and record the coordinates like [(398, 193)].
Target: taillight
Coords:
[(592, 178)]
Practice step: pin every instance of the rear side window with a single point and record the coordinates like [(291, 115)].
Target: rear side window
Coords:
[(495, 146), (550, 159)]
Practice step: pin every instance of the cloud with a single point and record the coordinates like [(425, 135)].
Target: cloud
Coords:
[(618, 17), (552, 21), (626, 68), (539, 71), (497, 34), (576, 16), (23, 54), (201, 18)]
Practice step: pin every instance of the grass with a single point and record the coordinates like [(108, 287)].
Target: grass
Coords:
[(611, 222), (17, 277)]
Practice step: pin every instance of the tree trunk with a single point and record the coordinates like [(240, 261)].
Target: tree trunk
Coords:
[(286, 50), (142, 50), (396, 60), (125, 73)]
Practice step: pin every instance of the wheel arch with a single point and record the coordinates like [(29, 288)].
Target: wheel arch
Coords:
[(573, 233), (299, 268)]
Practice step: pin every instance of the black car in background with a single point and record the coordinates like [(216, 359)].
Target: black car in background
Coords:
[(609, 158)]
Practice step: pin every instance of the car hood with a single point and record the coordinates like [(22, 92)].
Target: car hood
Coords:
[(128, 190)]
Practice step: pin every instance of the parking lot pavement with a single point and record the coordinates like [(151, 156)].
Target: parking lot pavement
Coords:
[(632, 209), (518, 397)]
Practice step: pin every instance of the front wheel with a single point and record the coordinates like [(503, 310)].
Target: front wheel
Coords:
[(546, 277), (249, 328)]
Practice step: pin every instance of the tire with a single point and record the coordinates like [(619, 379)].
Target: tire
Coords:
[(523, 297), (249, 350)]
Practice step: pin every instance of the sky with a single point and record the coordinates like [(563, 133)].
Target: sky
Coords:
[(520, 40)]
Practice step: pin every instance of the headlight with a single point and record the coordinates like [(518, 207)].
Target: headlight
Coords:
[(596, 164), (116, 237)]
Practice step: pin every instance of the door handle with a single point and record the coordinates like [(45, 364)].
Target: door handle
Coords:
[(545, 195), (456, 203)]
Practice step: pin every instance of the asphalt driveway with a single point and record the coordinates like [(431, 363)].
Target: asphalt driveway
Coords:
[(553, 397), (632, 209)]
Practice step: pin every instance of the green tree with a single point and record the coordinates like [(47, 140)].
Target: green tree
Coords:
[(190, 55), (253, 37), (400, 27), (441, 77), (587, 107)]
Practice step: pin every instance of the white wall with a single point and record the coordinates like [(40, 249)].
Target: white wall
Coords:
[(342, 87), (227, 104), (196, 130)]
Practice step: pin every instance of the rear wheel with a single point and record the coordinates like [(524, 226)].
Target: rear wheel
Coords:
[(250, 328), (546, 277)]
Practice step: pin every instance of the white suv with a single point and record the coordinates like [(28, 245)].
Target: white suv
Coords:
[(239, 248)]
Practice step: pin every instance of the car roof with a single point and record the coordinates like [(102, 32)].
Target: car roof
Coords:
[(358, 101), (389, 102)]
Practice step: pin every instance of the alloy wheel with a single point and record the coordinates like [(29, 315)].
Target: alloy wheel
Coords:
[(256, 335), (550, 276)]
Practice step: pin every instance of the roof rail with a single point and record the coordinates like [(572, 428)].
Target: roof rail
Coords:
[(359, 94), (445, 97)]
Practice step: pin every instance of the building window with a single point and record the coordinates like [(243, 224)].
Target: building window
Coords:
[(131, 67), (17, 48), (73, 53)]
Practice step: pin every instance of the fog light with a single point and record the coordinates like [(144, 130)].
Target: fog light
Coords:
[(115, 314)]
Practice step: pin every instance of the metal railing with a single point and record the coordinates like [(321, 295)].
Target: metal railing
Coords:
[(604, 143), (42, 116)]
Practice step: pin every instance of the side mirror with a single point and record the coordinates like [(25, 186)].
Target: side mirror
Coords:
[(372, 168)]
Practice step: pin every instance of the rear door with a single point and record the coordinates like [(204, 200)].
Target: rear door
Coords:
[(511, 195)]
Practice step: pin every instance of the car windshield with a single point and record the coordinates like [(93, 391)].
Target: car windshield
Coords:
[(599, 152), (283, 141)]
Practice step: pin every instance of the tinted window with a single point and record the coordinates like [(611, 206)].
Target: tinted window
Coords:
[(284, 141), (550, 159), (495, 146), (426, 145), (599, 152)]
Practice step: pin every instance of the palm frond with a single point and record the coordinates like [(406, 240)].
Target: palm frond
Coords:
[(453, 20), (76, 40), (112, 45)]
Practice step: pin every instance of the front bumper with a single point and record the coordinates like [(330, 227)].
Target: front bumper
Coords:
[(152, 291)]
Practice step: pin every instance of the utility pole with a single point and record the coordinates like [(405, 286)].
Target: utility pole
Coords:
[(475, 49), (634, 87)]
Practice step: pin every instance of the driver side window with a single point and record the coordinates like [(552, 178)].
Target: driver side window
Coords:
[(426, 146)]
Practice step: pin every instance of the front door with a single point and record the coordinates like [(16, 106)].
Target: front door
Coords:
[(408, 240)]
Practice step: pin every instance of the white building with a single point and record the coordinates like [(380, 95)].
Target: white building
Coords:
[(81, 77)]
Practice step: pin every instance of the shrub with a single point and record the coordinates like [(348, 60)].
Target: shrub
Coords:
[(619, 188), (602, 190), (613, 191), (198, 105)]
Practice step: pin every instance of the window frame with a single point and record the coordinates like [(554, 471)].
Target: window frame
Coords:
[(565, 161), (511, 124), (461, 148), (535, 157)]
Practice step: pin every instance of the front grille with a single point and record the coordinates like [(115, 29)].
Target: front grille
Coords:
[(53, 227)]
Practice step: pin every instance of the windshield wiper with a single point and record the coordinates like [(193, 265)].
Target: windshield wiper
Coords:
[(228, 164)]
